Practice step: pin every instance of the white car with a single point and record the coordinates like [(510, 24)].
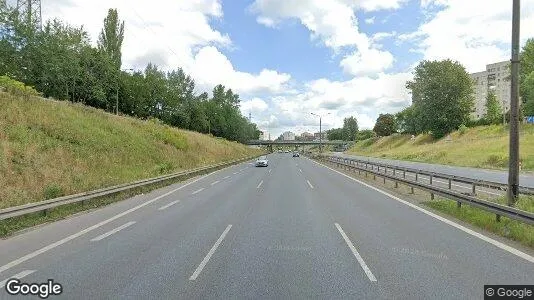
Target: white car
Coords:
[(262, 161)]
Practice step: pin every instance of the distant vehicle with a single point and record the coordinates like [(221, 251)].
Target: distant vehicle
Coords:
[(262, 161), (287, 151), (296, 154), (279, 150)]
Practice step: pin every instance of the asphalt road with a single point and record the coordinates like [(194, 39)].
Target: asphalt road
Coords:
[(294, 229), (525, 179)]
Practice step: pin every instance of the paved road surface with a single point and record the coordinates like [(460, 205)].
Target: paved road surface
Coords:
[(291, 230), (526, 180)]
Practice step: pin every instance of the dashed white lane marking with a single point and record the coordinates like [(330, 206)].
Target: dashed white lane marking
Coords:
[(197, 191), (356, 254), (226, 177), (311, 186), (208, 256), (442, 219), (215, 182), (105, 235), (17, 276), (235, 173), (300, 170), (91, 228), (261, 182), (168, 205)]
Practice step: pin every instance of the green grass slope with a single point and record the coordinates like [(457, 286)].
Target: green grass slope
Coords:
[(52, 148), (482, 147)]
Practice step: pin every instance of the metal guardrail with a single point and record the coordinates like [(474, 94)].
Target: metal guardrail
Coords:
[(21, 210), (451, 178), (498, 209)]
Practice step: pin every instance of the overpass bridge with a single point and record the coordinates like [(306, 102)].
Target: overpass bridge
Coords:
[(296, 144)]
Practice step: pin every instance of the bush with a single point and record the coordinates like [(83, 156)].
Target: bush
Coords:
[(462, 129), (365, 134), (17, 88), (52, 191)]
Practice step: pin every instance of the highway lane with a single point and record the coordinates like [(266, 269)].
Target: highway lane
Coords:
[(526, 180), (292, 230)]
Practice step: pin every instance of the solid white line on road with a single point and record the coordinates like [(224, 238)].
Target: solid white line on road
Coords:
[(91, 228), (168, 205), (197, 191), (17, 276), (208, 256), (356, 254), (442, 219), (105, 235), (309, 184), (261, 182), (226, 177), (215, 182)]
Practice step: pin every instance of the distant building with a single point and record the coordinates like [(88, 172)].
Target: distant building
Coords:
[(324, 135), (306, 136), (288, 136), (496, 77)]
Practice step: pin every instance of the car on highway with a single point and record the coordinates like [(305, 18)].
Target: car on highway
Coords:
[(296, 154), (287, 151), (262, 161)]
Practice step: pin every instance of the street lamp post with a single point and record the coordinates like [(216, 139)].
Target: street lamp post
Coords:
[(320, 132)]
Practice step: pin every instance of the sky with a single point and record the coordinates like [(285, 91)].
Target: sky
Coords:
[(290, 58)]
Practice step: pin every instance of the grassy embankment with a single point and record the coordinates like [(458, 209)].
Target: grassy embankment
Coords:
[(53, 148), (481, 147)]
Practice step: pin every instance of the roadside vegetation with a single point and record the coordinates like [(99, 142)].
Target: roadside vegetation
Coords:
[(53, 148), (481, 147)]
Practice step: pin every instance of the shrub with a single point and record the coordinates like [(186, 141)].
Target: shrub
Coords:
[(17, 88), (52, 191), (462, 129)]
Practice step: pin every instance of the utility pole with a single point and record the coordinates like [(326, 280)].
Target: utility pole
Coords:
[(513, 169), (320, 132)]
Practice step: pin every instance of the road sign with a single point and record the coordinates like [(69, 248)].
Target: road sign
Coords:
[(530, 119)]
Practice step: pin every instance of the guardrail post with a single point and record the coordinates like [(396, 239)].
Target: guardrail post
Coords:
[(394, 169), (378, 168), (431, 179), (431, 196), (416, 176), (458, 204), (404, 174), (474, 192), (396, 184), (384, 179), (450, 183), (411, 192), (374, 176)]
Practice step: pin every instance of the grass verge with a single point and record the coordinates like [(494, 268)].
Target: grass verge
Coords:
[(480, 147)]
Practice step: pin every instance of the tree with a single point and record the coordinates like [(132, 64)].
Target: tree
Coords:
[(528, 95), (493, 109), (365, 134), (350, 128), (111, 37), (442, 96), (385, 125), (335, 134)]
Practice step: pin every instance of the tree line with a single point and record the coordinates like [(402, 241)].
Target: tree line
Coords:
[(60, 62)]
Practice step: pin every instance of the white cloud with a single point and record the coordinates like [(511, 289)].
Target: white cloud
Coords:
[(370, 20), (475, 32), (367, 62), (211, 67)]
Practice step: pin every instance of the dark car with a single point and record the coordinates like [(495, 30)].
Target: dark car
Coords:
[(296, 154)]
